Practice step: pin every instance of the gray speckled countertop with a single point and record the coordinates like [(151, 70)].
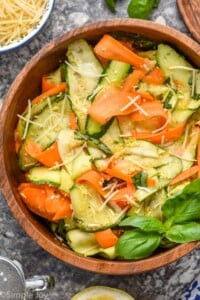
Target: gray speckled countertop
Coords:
[(166, 283)]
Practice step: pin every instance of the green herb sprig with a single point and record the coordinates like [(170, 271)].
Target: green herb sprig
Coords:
[(143, 235), (139, 9)]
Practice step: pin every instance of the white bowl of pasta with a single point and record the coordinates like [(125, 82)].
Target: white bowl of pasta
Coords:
[(21, 21), (81, 195)]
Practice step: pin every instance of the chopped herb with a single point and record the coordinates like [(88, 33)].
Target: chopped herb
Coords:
[(111, 5), (140, 179), (167, 103)]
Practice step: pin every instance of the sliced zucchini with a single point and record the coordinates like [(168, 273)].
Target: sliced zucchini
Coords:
[(197, 84), (108, 253), (184, 109), (115, 72), (79, 165), (112, 138), (168, 58), (66, 181), (45, 129), (187, 144), (82, 242), (67, 144), (165, 173), (56, 76), (82, 75), (35, 110), (40, 175), (90, 213)]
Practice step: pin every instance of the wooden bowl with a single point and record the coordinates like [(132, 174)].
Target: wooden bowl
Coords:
[(27, 86)]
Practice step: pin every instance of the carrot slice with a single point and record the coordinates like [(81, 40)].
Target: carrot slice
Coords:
[(132, 80), (115, 172), (94, 178), (116, 101), (110, 48), (155, 76), (47, 84), (45, 201), (73, 121), (53, 91), (153, 113), (163, 136), (49, 157), (106, 238), (32, 148), (124, 197), (185, 175)]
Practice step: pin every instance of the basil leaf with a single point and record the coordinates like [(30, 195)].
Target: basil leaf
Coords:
[(147, 224), (137, 244), (156, 3), (111, 5), (185, 206), (140, 9), (184, 233), (140, 179)]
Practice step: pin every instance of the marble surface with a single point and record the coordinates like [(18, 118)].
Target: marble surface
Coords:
[(166, 283)]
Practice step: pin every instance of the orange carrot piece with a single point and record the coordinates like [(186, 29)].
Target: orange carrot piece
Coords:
[(124, 197), (94, 178), (106, 238), (112, 49), (163, 136), (132, 80), (17, 145), (73, 121), (185, 175), (115, 101), (53, 91), (47, 84), (32, 148), (49, 157), (155, 76), (151, 182), (45, 201), (153, 113), (115, 172), (146, 96)]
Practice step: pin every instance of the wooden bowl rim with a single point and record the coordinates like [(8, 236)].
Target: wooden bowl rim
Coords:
[(31, 226)]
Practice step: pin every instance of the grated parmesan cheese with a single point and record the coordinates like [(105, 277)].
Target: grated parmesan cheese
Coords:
[(18, 18)]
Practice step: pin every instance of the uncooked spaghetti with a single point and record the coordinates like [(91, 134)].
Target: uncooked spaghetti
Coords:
[(18, 18)]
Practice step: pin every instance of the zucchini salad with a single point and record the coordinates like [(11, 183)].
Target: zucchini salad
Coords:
[(110, 149)]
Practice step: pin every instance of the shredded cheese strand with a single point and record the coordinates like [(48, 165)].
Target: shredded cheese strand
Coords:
[(132, 101), (28, 120), (18, 18)]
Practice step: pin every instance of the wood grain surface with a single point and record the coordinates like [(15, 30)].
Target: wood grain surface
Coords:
[(15, 102), (190, 11)]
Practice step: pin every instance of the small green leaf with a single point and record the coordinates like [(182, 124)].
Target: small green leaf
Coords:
[(140, 179), (156, 3), (137, 244), (167, 103), (111, 5), (140, 9), (184, 207), (184, 233), (147, 224)]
